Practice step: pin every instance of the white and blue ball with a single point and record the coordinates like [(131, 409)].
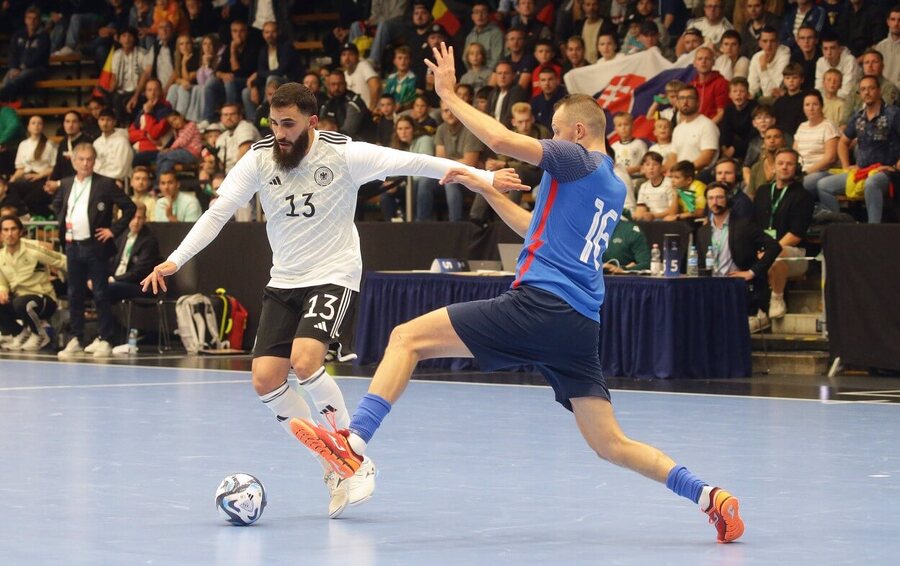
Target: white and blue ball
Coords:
[(241, 499)]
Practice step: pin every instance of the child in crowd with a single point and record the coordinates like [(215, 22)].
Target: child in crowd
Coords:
[(691, 192), (384, 120), (545, 55), (629, 150), (662, 131), (664, 104), (762, 119), (788, 108), (478, 74), (656, 198), (736, 127), (834, 110), (483, 98), (401, 84)]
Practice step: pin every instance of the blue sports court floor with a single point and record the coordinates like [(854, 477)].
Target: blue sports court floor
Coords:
[(117, 464)]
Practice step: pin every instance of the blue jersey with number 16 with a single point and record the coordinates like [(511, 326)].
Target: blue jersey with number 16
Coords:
[(578, 205)]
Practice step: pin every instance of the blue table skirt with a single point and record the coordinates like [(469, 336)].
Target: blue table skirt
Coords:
[(652, 327)]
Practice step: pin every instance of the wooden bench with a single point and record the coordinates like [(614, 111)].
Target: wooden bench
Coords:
[(316, 18), (314, 45), (79, 85), (49, 110)]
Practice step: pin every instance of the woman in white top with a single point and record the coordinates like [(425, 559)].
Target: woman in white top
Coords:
[(816, 141), (35, 158), (36, 154)]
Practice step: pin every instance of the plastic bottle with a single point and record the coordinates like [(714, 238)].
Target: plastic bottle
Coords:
[(132, 341), (710, 261), (655, 261), (692, 262)]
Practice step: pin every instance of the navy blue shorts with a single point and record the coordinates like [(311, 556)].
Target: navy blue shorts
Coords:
[(530, 326)]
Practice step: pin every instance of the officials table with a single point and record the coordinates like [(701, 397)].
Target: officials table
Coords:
[(652, 327)]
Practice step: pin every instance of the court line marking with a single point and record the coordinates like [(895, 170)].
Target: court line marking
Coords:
[(118, 385), (688, 394)]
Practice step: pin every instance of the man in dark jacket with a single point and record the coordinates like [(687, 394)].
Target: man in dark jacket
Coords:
[(29, 56), (346, 108), (275, 50), (137, 251), (85, 206), (735, 243)]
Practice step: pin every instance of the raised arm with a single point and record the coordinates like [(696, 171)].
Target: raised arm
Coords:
[(494, 134)]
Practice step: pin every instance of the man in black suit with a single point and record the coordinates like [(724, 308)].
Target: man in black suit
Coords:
[(507, 93), (137, 251), (84, 205), (735, 244)]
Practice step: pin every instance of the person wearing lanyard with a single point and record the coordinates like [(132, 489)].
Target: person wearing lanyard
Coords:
[(137, 253), (84, 206), (735, 243), (784, 209)]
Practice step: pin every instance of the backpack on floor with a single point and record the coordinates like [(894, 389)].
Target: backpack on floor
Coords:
[(231, 317), (197, 326)]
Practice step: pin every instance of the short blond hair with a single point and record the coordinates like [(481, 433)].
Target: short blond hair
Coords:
[(520, 108), (583, 108)]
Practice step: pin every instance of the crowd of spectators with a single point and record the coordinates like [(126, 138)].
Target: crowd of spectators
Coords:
[(190, 81)]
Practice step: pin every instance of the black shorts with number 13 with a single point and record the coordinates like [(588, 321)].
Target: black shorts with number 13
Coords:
[(324, 313)]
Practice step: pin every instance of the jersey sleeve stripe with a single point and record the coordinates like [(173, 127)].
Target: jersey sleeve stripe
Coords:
[(333, 138), (268, 141)]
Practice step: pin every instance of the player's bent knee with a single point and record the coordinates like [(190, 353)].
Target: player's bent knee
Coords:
[(404, 338), (305, 366), (264, 383)]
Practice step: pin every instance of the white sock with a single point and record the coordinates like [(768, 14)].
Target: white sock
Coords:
[(287, 404), (704, 498), (357, 443), (327, 397)]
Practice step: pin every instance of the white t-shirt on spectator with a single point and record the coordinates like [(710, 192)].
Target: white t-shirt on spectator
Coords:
[(690, 138), (114, 155), (128, 68), (730, 69), (712, 33), (810, 141), (629, 154), (848, 67), (25, 156), (663, 149), (358, 81), (658, 198), (229, 143)]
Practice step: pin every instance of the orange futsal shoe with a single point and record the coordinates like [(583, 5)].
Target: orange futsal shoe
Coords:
[(332, 446), (724, 516)]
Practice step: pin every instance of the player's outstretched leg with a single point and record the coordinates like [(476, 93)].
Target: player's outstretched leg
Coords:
[(601, 430), (429, 336), (286, 403)]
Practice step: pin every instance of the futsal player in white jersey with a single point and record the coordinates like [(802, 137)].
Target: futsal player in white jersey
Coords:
[(307, 181)]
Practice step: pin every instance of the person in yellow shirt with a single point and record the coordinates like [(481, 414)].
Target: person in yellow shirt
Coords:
[(26, 293), (691, 198)]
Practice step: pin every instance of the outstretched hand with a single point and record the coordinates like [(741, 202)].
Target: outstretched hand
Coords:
[(157, 278), (504, 180), (444, 70)]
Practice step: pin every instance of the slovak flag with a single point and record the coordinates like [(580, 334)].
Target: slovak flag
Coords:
[(629, 84)]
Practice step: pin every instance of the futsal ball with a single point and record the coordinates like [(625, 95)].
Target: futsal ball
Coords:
[(241, 499)]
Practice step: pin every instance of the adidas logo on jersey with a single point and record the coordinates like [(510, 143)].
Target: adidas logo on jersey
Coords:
[(322, 326), (276, 181), (327, 409)]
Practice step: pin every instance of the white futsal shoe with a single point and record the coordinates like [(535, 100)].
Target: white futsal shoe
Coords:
[(339, 491), (362, 483)]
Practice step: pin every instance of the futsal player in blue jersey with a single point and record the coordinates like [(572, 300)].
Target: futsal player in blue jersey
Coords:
[(549, 318)]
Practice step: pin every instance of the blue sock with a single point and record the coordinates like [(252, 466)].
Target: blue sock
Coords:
[(685, 484), (368, 416)]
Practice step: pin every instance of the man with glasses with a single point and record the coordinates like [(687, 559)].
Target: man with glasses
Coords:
[(805, 52)]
